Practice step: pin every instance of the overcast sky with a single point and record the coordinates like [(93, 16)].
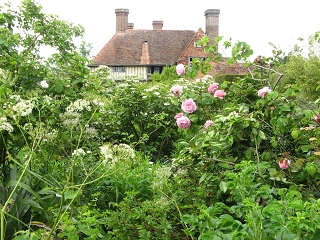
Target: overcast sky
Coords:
[(254, 22)]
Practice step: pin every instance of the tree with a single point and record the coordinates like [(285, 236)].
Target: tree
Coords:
[(24, 33)]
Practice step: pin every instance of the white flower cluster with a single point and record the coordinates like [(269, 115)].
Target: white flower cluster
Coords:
[(106, 152), (4, 125), (79, 105), (162, 175), (23, 107), (44, 84), (124, 151), (116, 153), (70, 118), (78, 152), (91, 131), (50, 136), (47, 99)]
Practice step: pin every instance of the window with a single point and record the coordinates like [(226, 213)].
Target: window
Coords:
[(119, 69)]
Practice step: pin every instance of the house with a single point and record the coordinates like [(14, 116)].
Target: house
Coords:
[(136, 52)]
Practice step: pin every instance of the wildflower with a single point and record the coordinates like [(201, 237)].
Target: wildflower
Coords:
[(189, 106), (284, 163), (79, 105), (4, 125), (213, 87), (44, 84), (178, 115), (207, 124), (264, 91), (79, 152), (180, 69), (24, 107), (183, 122), (219, 94), (271, 108), (176, 90)]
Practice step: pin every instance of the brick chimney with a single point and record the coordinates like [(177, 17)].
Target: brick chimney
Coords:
[(121, 19), (130, 25), (212, 24), (157, 25)]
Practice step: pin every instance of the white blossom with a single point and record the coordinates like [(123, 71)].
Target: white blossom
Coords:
[(4, 125), (44, 84), (24, 107)]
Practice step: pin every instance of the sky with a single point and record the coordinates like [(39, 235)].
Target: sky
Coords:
[(252, 21)]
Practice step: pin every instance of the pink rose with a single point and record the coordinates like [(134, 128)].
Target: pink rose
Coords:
[(264, 91), (180, 69), (183, 122), (271, 108), (219, 94), (176, 90), (179, 115), (212, 87), (189, 106), (207, 124), (284, 163)]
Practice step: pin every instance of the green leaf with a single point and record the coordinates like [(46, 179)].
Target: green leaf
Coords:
[(58, 87), (295, 133), (262, 135), (223, 186), (31, 203)]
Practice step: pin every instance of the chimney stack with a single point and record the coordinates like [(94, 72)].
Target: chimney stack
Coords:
[(130, 25), (212, 24), (121, 19), (157, 25)]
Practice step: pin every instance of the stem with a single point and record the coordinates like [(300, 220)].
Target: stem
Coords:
[(10, 196)]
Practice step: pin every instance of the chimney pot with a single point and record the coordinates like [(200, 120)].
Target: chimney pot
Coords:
[(130, 25), (157, 24)]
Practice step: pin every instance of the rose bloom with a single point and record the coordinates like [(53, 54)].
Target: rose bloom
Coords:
[(179, 115), (264, 91), (180, 69), (219, 94), (189, 106), (212, 87), (207, 124), (183, 122), (284, 163), (176, 90)]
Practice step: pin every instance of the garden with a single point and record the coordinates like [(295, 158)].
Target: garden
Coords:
[(85, 156)]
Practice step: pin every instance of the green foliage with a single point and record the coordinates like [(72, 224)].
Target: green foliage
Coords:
[(167, 75), (227, 77), (86, 157)]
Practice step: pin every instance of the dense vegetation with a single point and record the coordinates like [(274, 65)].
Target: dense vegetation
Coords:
[(83, 156)]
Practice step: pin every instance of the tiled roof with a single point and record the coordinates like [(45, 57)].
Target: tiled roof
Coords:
[(136, 47)]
